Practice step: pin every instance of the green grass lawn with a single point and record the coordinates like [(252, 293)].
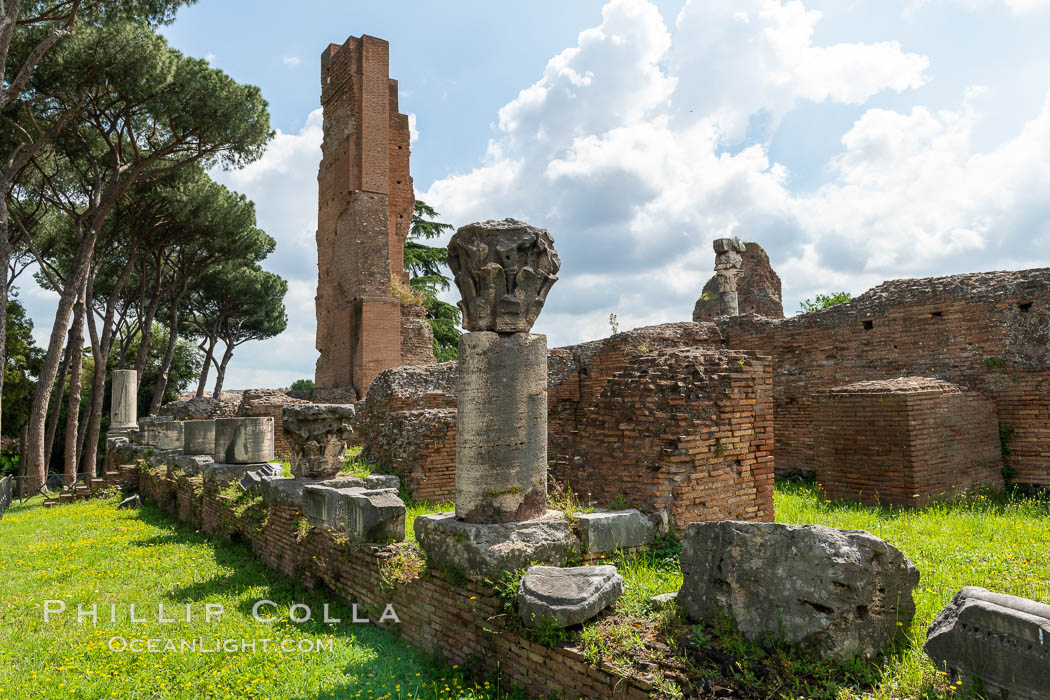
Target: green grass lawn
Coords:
[(90, 552), (996, 541)]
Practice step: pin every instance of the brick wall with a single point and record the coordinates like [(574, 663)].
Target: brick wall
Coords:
[(905, 442), (686, 431), (417, 337), (987, 332), (270, 402), (365, 204), (457, 622)]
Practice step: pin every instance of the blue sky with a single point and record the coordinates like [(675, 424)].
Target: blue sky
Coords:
[(856, 140)]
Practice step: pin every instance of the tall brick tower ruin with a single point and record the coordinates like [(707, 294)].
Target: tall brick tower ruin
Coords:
[(365, 204)]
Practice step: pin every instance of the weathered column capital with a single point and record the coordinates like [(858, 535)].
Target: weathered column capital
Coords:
[(503, 270)]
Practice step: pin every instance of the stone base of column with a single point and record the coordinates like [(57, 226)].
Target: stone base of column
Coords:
[(501, 429), (483, 551)]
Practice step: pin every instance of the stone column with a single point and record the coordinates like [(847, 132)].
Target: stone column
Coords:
[(124, 403), (243, 440), (727, 269), (198, 437), (504, 270)]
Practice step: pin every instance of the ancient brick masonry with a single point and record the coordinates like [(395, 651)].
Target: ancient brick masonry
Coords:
[(987, 332), (407, 424), (904, 442), (460, 622), (688, 432), (365, 204)]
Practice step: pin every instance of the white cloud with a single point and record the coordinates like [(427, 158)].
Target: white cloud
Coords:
[(1021, 6), (631, 149), (283, 185), (413, 132), (210, 58), (291, 60)]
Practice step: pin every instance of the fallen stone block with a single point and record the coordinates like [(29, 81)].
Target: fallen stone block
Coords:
[(999, 642), (845, 591), (663, 600), (324, 506), (376, 515), (198, 437), (191, 465), (161, 432), (344, 482), (244, 440), (286, 491), (217, 471), (549, 595), (382, 481), (159, 458), (130, 502), (608, 531), (482, 551)]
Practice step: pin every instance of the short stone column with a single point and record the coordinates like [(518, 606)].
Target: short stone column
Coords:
[(198, 437), (124, 412), (728, 262), (243, 440), (504, 270)]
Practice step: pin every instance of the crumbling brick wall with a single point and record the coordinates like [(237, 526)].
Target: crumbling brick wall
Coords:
[(904, 442), (365, 205), (988, 332), (577, 374), (270, 402), (686, 431), (407, 425), (417, 337)]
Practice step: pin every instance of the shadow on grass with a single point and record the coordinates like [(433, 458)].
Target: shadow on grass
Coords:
[(383, 653), (984, 501)]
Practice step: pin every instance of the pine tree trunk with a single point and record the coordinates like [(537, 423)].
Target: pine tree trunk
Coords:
[(5, 256), (208, 359), (76, 341), (56, 400), (221, 374), (36, 468), (169, 356)]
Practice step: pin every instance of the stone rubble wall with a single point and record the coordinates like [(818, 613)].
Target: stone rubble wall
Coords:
[(204, 408), (457, 622), (987, 332), (905, 442), (417, 337), (758, 289)]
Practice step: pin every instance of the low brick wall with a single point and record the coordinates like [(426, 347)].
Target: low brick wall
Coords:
[(905, 442), (457, 622), (688, 432)]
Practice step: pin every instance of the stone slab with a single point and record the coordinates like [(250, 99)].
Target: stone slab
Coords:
[(218, 471), (243, 440), (563, 597), (608, 531), (198, 437), (995, 641)]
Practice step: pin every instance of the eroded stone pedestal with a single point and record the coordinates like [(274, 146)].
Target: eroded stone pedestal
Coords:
[(482, 551), (319, 434), (198, 437), (243, 440)]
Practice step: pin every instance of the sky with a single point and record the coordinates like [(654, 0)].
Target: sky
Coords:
[(856, 140)]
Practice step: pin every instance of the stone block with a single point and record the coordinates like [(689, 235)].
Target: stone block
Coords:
[(191, 465), (501, 427), (286, 491), (218, 471), (549, 595), (1000, 643), (375, 515), (161, 434), (843, 590), (243, 440), (159, 458), (382, 481), (131, 502), (482, 551), (198, 437), (608, 531)]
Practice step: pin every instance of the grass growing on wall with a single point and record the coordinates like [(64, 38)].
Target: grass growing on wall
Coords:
[(89, 552)]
